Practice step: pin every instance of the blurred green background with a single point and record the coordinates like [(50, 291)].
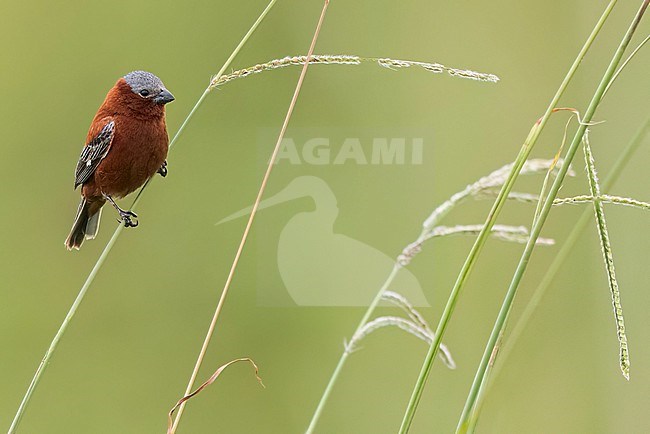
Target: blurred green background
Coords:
[(127, 355)]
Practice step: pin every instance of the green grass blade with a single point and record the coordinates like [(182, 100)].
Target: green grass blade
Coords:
[(553, 269), (499, 326), (491, 219)]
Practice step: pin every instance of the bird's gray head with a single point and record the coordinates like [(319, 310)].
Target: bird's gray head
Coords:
[(148, 86)]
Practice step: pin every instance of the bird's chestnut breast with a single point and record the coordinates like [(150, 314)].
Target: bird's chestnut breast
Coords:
[(138, 150)]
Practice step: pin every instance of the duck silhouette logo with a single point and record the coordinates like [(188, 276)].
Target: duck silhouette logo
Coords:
[(322, 268)]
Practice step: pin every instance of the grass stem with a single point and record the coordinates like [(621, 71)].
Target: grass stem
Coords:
[(431, 229), (558, 261), (501, 321), (491, 219), (61, 331), (251, 218), (344, 356), (109, 246)]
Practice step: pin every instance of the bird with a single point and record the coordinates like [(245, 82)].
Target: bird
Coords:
[(321, 267), (126, 145)]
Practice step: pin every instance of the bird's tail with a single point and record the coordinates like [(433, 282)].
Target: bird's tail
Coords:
[(86, 224)]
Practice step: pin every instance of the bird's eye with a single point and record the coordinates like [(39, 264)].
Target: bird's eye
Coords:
[(144, 93)]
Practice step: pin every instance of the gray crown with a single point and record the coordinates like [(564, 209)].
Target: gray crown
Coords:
[(143, 80)]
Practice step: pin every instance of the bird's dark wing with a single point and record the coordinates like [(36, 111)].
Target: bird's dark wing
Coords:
[(93, 153)]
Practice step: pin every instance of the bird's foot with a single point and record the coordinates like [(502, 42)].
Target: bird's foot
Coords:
[(163, 169), (127, 216)]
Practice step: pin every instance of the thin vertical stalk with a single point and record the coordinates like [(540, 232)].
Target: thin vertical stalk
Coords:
[(629, 58), (60, 332), (344, 356), (558, 261), (109, 246), (429, 229), (251, 218), (506, 307), (491, 219)]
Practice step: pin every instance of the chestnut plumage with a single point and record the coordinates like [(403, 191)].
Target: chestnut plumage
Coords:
[(126, 145)]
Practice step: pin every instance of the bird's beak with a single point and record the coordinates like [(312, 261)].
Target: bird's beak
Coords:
[(164, 97)]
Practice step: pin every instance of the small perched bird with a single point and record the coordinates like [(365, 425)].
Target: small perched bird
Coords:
[(126, 145)]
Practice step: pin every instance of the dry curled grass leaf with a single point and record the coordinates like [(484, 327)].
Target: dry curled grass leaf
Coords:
[(212, 379)]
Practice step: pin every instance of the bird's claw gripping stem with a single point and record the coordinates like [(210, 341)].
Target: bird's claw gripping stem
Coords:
[(163, 169), (125, 215), (126, 218)]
